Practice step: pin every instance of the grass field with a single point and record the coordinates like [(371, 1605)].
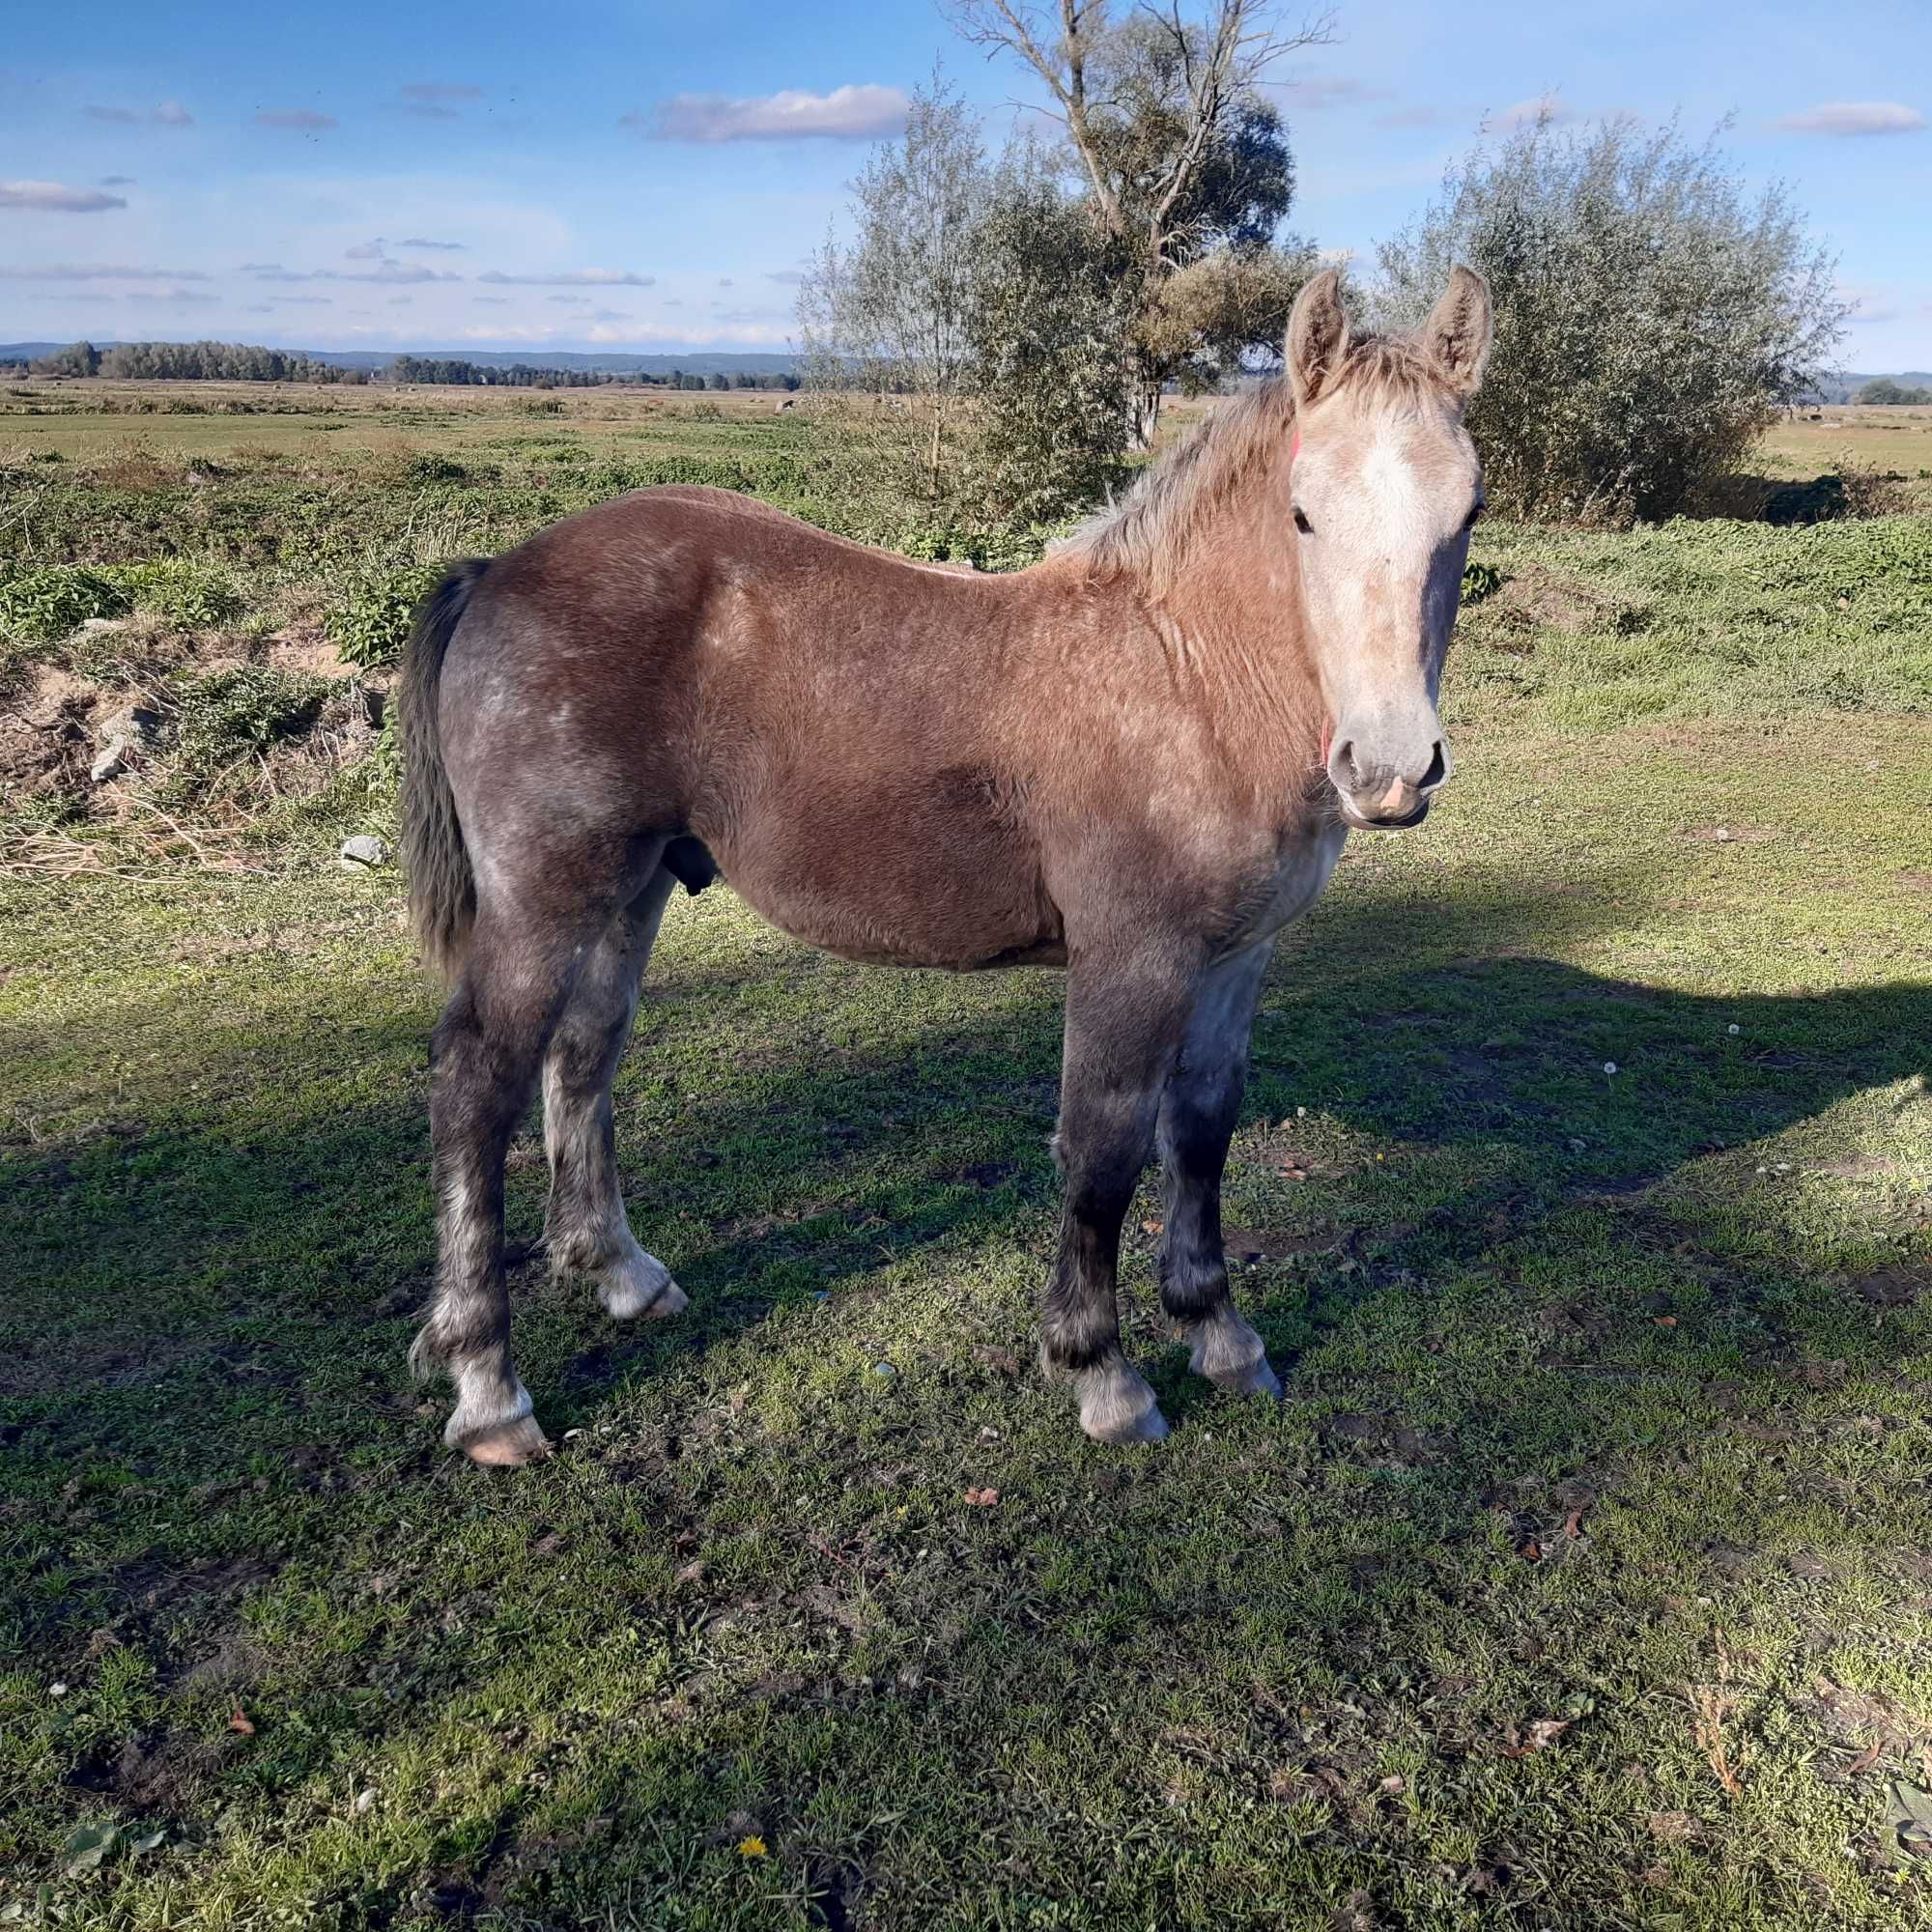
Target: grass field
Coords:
[(1584, 1198)]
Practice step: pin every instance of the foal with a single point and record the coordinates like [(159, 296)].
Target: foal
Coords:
[(1137, 759)]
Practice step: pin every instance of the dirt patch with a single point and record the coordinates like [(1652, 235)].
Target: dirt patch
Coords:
[(156, 1771), (46, 746), (1538, 596)]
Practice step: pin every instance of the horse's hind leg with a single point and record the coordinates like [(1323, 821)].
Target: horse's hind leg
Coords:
[(1198, 1112), (587, 1226), (534, 928)]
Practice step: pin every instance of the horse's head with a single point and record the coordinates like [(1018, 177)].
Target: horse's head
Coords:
[(1386, 486)]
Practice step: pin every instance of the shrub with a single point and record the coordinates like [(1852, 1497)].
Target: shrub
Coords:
[(1651, 322), (225, 718), (370, 625), (427, 466), (49, 603), (190, 595)]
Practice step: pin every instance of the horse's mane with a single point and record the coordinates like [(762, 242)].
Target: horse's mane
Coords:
[(1146, 535)]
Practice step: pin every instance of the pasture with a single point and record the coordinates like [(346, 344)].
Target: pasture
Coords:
[(1583, 1197)]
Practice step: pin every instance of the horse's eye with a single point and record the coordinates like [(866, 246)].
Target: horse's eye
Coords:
[(1301, 522), (1475, 510)]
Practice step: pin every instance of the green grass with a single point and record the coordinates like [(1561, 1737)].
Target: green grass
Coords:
[(1579, 1581)]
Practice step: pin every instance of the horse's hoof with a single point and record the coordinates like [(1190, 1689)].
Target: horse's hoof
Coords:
[(1229, 1354), (1257, 1378), (508, 1446), (1117, 1406), (642, 1291)]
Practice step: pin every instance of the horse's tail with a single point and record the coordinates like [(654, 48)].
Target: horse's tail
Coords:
[(441, 885)]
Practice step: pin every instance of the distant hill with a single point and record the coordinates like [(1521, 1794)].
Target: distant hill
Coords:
[(604, 362)]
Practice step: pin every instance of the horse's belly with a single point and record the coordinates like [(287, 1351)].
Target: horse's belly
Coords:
[(897, 890)]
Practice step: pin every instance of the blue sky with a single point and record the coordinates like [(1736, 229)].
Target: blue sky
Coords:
[(652, 177)]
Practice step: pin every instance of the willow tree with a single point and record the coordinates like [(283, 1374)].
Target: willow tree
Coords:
[(1186, 165)]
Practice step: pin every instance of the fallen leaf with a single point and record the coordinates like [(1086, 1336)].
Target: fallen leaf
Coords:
[(1151, 1227), (1530, 1551), (1867, 1758), (1540, 1736), (1664, 1320), (238, 1720), (982, 1498), (691, 1573), (1572, 1523), (1910, 1820), (90, 1848)]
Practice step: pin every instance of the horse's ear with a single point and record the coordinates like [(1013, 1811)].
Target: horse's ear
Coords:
[(1456, 334), (1318, 337)]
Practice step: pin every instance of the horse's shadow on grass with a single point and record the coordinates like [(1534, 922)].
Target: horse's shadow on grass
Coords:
[(223, 1246)]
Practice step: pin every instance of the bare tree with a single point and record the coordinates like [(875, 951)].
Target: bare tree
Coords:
[(891, 312), (1163, 114)]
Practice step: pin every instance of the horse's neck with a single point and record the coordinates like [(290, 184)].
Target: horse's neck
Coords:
[(1235, 610)]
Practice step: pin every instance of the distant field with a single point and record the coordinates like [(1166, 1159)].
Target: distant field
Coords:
[(1583, 1197), (85, 421)]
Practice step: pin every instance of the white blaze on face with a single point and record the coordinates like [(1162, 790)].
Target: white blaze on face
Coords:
[(1384, 494)]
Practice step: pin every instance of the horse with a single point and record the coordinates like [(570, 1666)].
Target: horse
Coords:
[(1136, 760)]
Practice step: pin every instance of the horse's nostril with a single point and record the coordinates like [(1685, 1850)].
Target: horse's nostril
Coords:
[(1343, 759), (1438, 769)]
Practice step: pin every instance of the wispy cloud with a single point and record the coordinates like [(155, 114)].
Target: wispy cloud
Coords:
[(441, 90), (569, 301), (491, 302), (1855, 117), (574, 278), (609, 315), (1550, 109), (791, 278), (845, 114), (417, 241), (381, 271), (1325, 91), (166, 114), (117, 181), (56, 198), (95, 272), (1417, 116), (300, 120)]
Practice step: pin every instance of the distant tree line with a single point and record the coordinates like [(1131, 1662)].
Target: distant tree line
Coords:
[(191, 362), (1883, 389), (453, 370), (251, 363)]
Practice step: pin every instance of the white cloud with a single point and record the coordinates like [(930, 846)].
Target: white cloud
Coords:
[(791, 278), (573, 278), (56, 198), (1550, 109), (172, 114), (845, 114), (417, 241), (300, 119), (1855, 117)]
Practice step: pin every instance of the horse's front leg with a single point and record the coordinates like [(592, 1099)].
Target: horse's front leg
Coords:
[(1197, 1120), (1125, 1016)]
